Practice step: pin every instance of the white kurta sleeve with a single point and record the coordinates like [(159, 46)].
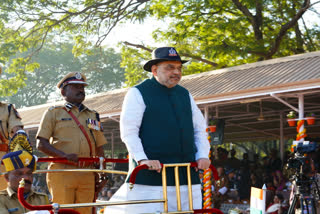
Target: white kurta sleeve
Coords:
[(200, 134), (133, 108)]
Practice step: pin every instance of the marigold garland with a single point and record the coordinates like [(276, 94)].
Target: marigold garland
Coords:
[(207, 183), (207, 191)]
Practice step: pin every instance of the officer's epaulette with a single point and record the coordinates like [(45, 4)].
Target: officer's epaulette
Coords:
[(55, 107)]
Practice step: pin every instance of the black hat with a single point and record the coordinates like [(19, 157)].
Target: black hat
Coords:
[(161, 55)]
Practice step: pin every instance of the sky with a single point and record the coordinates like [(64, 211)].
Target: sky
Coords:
[(137, 33)]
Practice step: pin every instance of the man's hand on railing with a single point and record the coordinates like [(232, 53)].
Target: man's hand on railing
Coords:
[(152, 164), (203, 163)]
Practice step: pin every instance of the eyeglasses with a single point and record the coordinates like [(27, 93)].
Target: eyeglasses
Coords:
[(171, 68)]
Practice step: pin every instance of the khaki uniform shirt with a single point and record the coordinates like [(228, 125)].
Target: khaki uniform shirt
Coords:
[(64, 134), (9, 203), (7, 122)]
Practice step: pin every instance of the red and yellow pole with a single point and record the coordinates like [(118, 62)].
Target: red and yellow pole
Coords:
[(207, 185), (301, 131)]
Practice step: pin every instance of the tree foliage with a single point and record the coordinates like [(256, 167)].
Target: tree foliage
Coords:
[(26, 25), (217, 34), (102, 69), (213, 34), (252, 30)]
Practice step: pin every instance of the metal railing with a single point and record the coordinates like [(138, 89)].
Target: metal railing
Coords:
[(65, 208)]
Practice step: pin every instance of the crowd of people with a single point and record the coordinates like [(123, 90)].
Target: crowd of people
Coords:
[(237, 176)]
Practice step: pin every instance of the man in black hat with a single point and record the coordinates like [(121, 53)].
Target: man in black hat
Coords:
[(160, 123)]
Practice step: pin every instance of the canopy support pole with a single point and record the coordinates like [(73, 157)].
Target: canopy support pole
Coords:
[(281, 138), (206, 114)]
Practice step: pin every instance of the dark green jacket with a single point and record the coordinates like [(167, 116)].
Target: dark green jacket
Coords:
[(166, 131)]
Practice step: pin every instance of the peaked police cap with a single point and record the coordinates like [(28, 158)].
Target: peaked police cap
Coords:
[(18, 160), (72, 78)]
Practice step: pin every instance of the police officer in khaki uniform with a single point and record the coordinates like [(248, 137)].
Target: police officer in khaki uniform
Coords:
[(9, 203), (10, 123), (71, 131)]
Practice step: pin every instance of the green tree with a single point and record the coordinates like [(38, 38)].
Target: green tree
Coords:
[(217, 34), (26, 25), (213, 34), (102, 69)]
